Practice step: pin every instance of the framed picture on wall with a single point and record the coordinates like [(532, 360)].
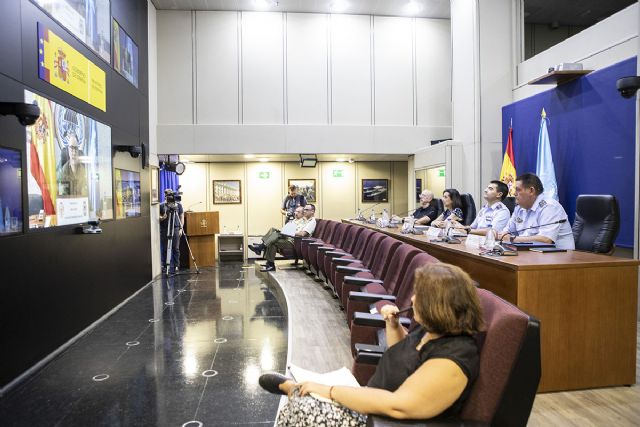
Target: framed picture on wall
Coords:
[(10, 191), (154, 184), (306, 187), (418, 188), (375, 190), (227, 191)]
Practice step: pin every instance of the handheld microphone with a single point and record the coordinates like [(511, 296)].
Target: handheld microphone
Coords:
[(190, 206), (509, 250)]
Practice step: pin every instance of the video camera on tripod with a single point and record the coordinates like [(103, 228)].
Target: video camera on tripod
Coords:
[(172, 198)]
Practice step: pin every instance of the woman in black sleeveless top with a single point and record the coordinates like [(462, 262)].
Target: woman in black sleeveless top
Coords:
[(425, 374)]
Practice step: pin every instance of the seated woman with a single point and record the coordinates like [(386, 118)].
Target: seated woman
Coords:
[(452, 208), (423, 374)]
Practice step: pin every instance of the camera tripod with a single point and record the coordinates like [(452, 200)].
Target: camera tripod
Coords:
[(172, 218)]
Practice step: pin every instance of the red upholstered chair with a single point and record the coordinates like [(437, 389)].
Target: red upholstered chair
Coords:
[(390, 281), (341, 258), (361, 329), (325, 253), (367, 257), (336, 239), (510, 369)]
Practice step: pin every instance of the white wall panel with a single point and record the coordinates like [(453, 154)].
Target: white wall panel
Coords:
[(262, 68), (307, 68), (350, 69), (175, 70), (393, 62), (433, 72), (217, 67)]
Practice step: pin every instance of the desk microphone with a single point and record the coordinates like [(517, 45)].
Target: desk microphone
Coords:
[(361, 217), (448, 239), (510, 250), (190, 206)]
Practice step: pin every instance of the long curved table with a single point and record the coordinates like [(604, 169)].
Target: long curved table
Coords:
[(586, 303)]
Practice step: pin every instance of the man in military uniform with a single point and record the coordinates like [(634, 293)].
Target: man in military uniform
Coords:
[(73, 174), (494, 214), (535, 209)]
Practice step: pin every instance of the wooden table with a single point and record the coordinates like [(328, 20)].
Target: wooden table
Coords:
[(586, 303)]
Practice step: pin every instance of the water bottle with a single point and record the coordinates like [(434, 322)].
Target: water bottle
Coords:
[(385, 215), (447, 227), (372, 218), (490, 239)]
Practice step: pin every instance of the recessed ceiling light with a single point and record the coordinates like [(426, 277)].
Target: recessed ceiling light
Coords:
[(249, 156), (262, 4), (413, 7), (263, 160), (338, 6), (341, 160)]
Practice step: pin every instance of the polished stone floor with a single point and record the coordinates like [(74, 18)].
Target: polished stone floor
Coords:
[(184, 351)]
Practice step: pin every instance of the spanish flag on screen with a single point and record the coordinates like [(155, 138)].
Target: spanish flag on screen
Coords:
[(508, 171)]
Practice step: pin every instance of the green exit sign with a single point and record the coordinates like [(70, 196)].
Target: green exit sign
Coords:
[(338, 173), (264, 175), (441, 172)]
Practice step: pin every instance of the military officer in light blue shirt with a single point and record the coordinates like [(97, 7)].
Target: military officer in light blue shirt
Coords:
[(494, 214), (534, 209)]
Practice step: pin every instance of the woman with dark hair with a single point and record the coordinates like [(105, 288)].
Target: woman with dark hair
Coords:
[(452, 208), (424, 374)]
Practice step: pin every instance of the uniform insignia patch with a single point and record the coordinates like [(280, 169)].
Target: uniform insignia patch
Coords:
[(519, 220), (542, 203)]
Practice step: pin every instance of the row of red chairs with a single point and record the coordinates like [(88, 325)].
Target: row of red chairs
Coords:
[(366, 269)]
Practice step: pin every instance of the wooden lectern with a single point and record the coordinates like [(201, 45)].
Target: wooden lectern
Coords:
[(201, 228)]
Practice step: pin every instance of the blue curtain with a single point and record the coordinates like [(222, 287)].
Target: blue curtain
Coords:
[(168, 180)]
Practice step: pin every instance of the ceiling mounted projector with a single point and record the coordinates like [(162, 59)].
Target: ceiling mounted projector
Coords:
[(308, 160)]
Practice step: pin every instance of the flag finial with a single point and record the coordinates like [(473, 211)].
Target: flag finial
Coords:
[(544, 114)]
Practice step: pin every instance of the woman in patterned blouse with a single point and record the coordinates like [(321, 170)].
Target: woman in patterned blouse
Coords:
[(452, 208)]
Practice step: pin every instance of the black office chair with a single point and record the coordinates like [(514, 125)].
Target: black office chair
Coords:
[(468, 208), (510, 203), (597, 223), (440, 206)]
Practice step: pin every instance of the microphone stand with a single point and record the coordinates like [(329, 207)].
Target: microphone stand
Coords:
[(360, 212), (504, 249)]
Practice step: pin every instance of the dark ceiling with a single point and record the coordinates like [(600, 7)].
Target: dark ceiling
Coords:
[(578, 12)]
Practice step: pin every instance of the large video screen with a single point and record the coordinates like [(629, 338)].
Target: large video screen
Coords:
[(88, 20), (125, 54), (127, 193), (69, 166), (10, 191)]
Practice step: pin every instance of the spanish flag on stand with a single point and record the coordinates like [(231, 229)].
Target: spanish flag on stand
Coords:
[(508, 171)]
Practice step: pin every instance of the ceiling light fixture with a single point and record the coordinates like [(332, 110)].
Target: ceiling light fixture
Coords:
[(262, 4), (249, 156), (263, 160), (341, 160), (338, 6), (413, 7)]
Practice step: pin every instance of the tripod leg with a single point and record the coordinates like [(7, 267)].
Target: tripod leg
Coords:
[(184, 234), (170, 232)]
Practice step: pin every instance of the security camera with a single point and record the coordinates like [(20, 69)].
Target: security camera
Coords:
[(133, 150), (27, 114), (628, 86)]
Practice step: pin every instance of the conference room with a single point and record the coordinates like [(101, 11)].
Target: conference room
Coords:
[(154, 150)]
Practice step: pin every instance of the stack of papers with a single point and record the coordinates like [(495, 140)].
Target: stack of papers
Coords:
[(342, 376)]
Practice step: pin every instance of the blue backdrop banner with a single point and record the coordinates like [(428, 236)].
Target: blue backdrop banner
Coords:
[(592, 135)]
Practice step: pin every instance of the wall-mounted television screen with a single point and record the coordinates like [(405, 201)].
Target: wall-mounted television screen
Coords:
[(10, 191), (68, 166), (125, 54), (88, 20), (127, 193)]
